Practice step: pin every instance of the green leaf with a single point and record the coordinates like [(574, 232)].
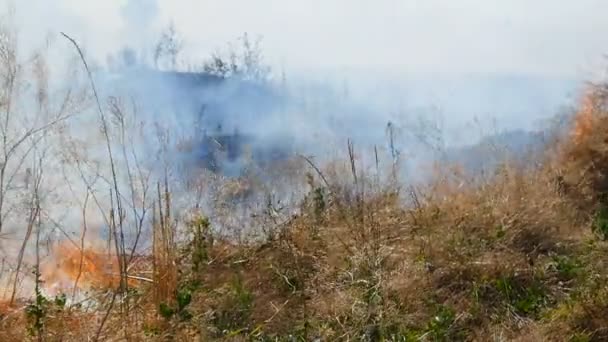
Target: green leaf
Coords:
[(166, 311)]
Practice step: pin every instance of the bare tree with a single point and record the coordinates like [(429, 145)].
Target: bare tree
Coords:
[(23, 126), (244, 62), (30, 120), (33, 206), (168, 48)]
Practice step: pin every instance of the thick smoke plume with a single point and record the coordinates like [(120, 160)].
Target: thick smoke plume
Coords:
[(224, 134)]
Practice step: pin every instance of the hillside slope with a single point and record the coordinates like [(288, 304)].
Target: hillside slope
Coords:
[(518, 257)]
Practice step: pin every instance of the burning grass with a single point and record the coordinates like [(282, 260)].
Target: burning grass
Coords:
[(89, 269), (516, 256)]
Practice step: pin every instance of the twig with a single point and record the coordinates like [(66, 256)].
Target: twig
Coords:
[(112, 166), (276, 311), (82, 238), (136, 278), (105, 317), (317, 170)]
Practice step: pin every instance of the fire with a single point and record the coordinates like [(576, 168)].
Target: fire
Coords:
[(592, 109), (91, 268), (4, 307), (585, 119)]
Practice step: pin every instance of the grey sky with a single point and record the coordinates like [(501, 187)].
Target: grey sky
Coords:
[(519, 36)]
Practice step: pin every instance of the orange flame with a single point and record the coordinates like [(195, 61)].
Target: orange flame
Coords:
[(90, 268), (585, 119), (5, 307)]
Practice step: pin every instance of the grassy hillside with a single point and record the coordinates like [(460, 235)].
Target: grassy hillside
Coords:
[(100, 241), (519, 256)]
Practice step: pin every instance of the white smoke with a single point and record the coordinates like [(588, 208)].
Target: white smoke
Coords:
[(312, 114), (140, 25)]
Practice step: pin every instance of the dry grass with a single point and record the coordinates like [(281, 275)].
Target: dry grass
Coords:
[(516, 256), (511, 258)]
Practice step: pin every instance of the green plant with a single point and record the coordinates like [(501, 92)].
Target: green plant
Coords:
[(151, 330), (402, 335), (567, 267), (579, 337), (438, 328), (600, 222), (37, 311), (166, 311), (236, 309), (60, 300), (525, 300), (201, 239), (500, 232), (183, 299), (319, 201)]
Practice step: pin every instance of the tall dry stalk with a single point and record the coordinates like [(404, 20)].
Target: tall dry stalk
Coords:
[(33, 217), (18, 149), (116, 218), (164, 250), (83, 235)]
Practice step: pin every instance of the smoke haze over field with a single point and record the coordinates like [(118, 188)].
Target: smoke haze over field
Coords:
[(439, 71), (431, 36), (428, 67), (471, 59), (341, 69)]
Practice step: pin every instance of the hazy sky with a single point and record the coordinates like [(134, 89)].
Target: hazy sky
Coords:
[(521, 36)]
